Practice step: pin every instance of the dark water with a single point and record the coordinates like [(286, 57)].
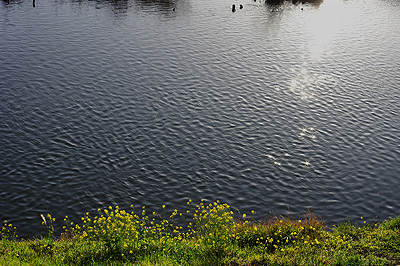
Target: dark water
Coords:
[(279, 109)]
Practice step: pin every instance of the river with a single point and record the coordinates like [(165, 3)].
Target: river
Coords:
[(274, 108)]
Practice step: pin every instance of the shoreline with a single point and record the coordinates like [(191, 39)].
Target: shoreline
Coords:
[(213, 237)]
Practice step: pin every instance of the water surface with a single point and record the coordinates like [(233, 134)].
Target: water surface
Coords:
[(273, 108)]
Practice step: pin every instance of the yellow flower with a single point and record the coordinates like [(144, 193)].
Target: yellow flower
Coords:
[(244, 215)]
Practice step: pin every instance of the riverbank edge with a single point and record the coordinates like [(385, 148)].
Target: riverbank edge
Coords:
[(212, 237)]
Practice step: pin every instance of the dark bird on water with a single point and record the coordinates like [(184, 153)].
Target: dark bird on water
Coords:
[(233, 8), (241, 6)]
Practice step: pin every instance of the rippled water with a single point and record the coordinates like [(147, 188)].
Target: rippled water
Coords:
[(279, 109)]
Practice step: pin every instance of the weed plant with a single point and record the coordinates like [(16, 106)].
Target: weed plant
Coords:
[(212, 235)]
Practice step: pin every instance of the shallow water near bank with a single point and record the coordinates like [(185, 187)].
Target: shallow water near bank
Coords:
[(277, 109)]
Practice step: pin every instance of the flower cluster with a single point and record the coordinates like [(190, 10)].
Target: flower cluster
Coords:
[(211, 224), (8, 231)]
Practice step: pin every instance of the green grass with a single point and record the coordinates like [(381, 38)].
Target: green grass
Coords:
[(211, 237)]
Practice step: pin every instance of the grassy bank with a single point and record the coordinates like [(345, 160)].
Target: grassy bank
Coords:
[(211, 237)]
